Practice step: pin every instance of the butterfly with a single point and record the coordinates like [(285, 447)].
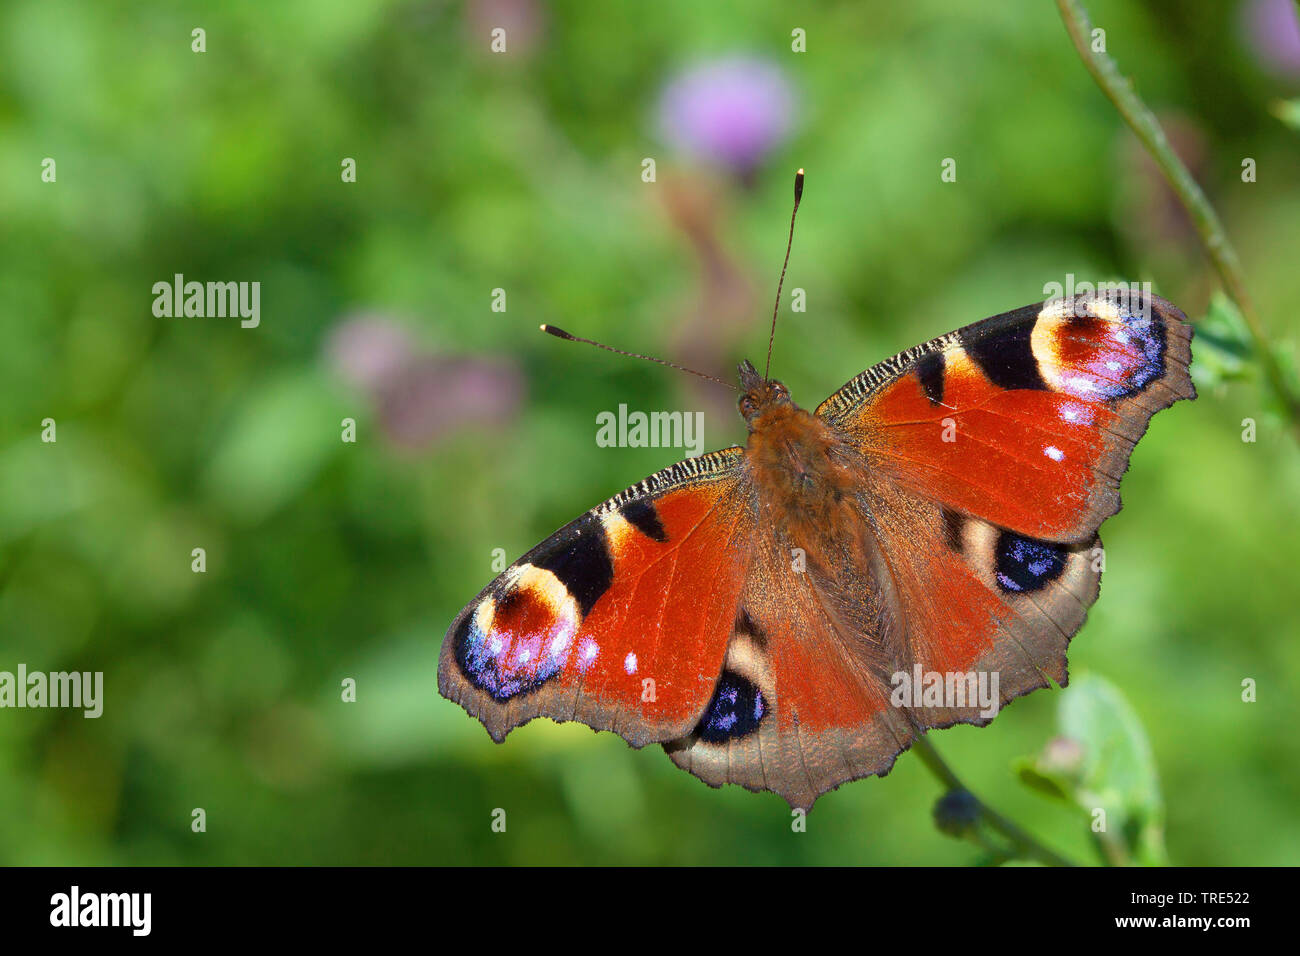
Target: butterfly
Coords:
[(755, 610)]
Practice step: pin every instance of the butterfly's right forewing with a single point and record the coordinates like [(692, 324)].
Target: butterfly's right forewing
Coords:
[(1025, 419)]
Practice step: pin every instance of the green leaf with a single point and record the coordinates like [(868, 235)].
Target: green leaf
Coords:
[(1288, 111), (1117, 771), (1033, 776), (1224, 351)]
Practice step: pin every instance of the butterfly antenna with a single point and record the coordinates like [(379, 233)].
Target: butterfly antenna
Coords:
[(798, 194), (561, 334)]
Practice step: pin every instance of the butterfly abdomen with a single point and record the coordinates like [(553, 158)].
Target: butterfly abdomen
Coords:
[(806, 486)]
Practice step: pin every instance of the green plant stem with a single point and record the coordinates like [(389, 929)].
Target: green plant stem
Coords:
[(1024, 844), (1140, 119), (1110, 850)]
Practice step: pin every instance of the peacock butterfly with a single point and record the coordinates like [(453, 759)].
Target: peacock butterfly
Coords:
[(754, 609)]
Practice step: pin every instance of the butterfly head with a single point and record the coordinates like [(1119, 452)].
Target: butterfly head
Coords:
[(759, 394)]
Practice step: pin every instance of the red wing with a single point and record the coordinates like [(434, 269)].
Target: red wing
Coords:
[(1026, 419), (810, 693), (621, 619)]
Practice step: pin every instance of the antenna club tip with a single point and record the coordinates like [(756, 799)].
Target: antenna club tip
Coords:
[(798, 185), (555, 330)]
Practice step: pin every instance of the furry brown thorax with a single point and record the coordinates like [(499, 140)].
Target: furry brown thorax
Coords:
[(796, 458)]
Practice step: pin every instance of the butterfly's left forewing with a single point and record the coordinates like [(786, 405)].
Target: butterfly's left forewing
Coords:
[(620, 619)]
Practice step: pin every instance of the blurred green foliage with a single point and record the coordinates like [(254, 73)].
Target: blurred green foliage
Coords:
[(522, 171)]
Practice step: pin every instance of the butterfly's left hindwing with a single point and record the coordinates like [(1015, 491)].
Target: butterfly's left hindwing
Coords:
[(620, 619)]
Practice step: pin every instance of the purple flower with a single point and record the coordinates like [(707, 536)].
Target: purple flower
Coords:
[(731, 111), (369, 350), (419, 397), (1272, 28)]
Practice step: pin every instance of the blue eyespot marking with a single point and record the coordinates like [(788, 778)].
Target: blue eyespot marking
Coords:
[(1027, 564), (524, 646), (1105, 359), (737, 708)]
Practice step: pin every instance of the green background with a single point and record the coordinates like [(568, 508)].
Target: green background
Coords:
[(522, 171)]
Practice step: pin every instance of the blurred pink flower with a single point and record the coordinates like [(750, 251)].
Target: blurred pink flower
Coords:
[(523, 20), (1062, 755), (419, 397), (1272, 28), (368, 350), (731, 111)]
